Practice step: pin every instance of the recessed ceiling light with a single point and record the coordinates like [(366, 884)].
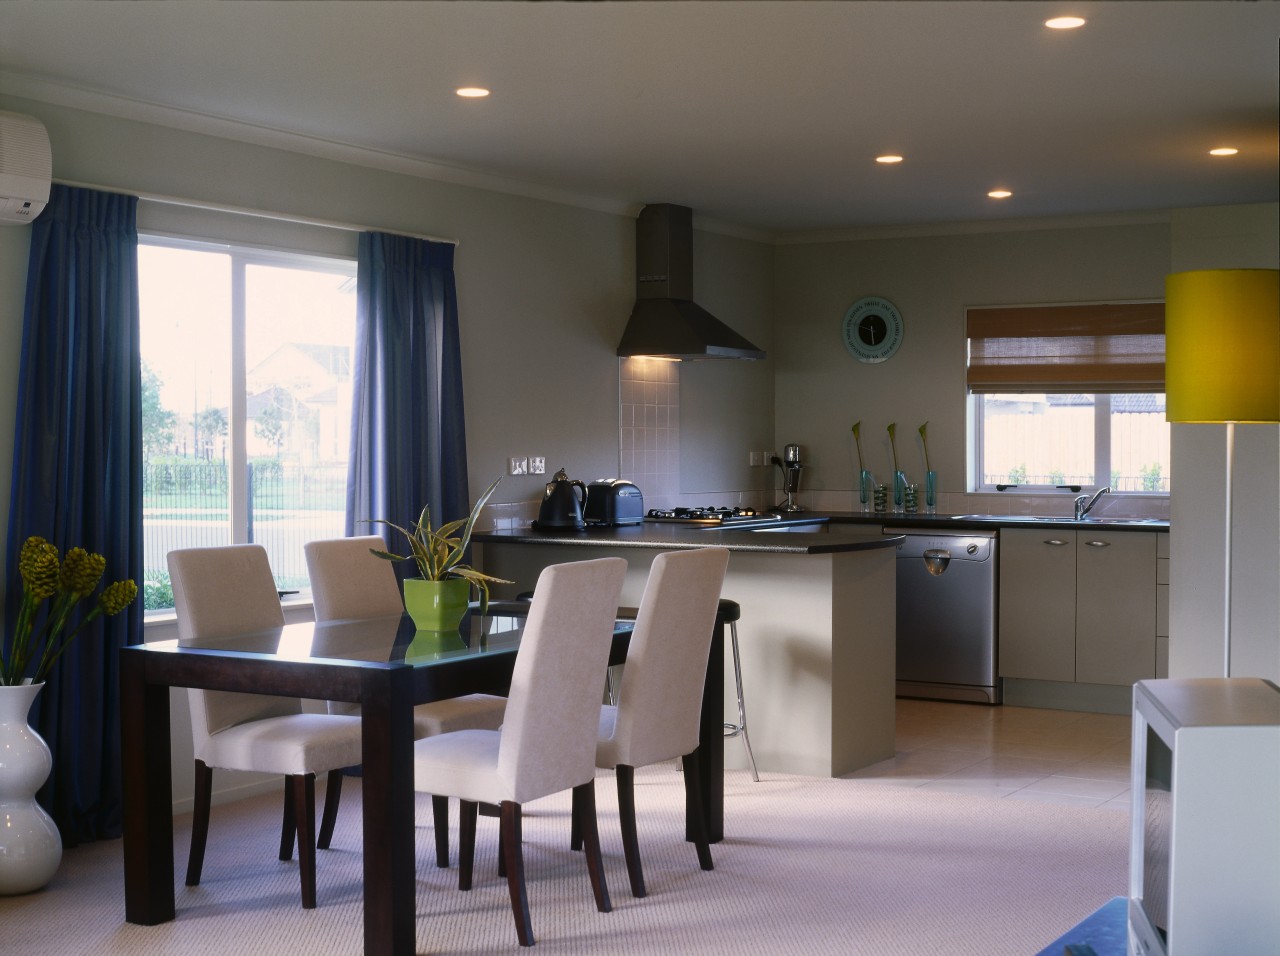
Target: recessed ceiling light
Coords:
[(999, 194), (1224, 151), (1064, 23), (472, 92), (888, 159)]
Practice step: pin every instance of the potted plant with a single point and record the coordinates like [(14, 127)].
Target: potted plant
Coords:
[(30, 846), (437, 599)]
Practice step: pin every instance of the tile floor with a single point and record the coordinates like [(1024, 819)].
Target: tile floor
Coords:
[(1014, 753)]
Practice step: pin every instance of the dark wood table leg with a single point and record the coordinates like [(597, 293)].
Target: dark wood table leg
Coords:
[(387, 784), (148, 794), (710, 755)]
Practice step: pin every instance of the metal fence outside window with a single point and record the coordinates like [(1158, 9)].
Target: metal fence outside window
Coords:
[(186, 504)]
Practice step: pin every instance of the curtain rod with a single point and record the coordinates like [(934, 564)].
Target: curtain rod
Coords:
[(256, 213)]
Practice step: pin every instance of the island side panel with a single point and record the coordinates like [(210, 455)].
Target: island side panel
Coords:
[(817, 643), (864, 659)]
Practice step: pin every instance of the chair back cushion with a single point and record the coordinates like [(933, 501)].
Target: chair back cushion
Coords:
[(549, 733), (219, 592), (660, 698), (347, 582)]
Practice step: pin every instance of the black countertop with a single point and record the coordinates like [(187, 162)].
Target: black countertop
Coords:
[(782, 540), (965, 522), (675, 535)]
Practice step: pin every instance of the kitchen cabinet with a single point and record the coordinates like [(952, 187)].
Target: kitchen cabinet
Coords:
[(1078, 606)]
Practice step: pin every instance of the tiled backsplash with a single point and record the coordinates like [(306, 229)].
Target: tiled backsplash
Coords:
[(649, 427)]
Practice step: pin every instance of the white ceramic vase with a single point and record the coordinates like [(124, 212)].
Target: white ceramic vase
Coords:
[(30, 845)]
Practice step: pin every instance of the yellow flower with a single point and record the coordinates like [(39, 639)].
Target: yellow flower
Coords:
[(118, 596), (81, 571), (39, 568), (41, 634)]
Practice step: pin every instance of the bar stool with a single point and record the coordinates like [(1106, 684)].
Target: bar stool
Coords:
[(729, 613)]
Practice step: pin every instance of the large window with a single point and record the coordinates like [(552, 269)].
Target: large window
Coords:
[(1069, 397), (246, 392), (1037, 442)]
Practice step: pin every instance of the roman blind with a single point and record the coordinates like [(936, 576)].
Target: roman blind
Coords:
[(1110, 347)]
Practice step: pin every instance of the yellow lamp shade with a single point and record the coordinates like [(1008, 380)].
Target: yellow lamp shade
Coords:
[(1222, 345)]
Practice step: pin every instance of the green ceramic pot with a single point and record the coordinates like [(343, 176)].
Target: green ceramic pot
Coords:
[(436, 605)]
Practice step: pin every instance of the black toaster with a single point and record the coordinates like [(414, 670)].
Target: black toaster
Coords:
[(613, 501)]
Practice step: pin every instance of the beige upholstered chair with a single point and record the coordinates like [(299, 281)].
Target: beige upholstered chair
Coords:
[(547, 742), (660, 699), (350, 583), (230, 590)]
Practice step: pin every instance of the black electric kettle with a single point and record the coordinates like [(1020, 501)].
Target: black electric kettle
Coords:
[(562, 504)]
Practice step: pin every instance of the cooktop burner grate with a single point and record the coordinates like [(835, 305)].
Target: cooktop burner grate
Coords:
[(711, 515)]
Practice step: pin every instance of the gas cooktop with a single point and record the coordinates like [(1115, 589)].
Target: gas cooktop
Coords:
[(711, 516)]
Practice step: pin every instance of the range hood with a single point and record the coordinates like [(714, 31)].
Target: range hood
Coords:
[(666, 322)]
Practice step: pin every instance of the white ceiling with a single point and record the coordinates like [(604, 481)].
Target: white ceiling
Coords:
[(763, 115)]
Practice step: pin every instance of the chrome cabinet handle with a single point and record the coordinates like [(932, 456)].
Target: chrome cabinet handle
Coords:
[(1056, 542), (1098, 544)]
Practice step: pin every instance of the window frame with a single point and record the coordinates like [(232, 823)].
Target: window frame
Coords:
[(242, 256)]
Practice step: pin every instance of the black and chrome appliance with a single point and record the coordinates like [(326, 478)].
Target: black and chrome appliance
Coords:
[(946, 603), (612, 502), (790, 465)]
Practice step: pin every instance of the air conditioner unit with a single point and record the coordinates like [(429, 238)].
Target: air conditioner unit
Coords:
[(26, 167)]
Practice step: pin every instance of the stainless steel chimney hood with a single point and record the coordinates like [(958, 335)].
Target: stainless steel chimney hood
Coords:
[(666, 322)]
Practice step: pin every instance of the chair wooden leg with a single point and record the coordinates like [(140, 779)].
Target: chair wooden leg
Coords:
[(513, 855), (575, 823), (694, 812), (304, 813), (440, 820), (332, 797), (199, 822), (591, 840), (466, 842), (289, 825), (627, 818)]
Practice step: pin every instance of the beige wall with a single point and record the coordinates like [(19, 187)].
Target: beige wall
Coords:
[(821, 389)]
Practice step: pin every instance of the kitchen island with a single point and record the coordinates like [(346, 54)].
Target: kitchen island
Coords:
[(817, 631)]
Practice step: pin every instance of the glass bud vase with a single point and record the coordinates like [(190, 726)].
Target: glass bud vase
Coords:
[(931, 492), (866, 489), (899, 489)]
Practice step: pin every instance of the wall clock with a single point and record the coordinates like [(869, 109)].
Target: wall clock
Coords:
[(872, 329)]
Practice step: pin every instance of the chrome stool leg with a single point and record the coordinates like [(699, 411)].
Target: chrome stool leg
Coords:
[(740, 728)]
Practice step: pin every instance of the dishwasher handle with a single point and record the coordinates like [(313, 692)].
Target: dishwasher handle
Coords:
[(936, 560)]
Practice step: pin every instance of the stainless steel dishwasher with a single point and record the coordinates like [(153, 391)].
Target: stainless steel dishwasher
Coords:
[(947, 615)]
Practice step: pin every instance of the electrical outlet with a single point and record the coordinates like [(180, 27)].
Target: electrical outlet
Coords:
[(537, 466), (755, 458), (518, 466)]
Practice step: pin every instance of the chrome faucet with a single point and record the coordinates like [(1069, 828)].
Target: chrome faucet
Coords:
[(1084, 504)]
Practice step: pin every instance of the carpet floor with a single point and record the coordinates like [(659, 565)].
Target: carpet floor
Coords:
[(808, 866)]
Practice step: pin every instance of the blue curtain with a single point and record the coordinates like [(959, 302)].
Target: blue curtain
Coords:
[(408, 442), (77, 478)]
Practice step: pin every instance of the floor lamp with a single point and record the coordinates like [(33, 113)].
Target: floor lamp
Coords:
[(1222, 366)]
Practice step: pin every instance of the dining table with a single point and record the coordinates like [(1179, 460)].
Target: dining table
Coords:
[(386, 666)]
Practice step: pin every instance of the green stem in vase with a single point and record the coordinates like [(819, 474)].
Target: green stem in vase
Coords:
[(857, 440)]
